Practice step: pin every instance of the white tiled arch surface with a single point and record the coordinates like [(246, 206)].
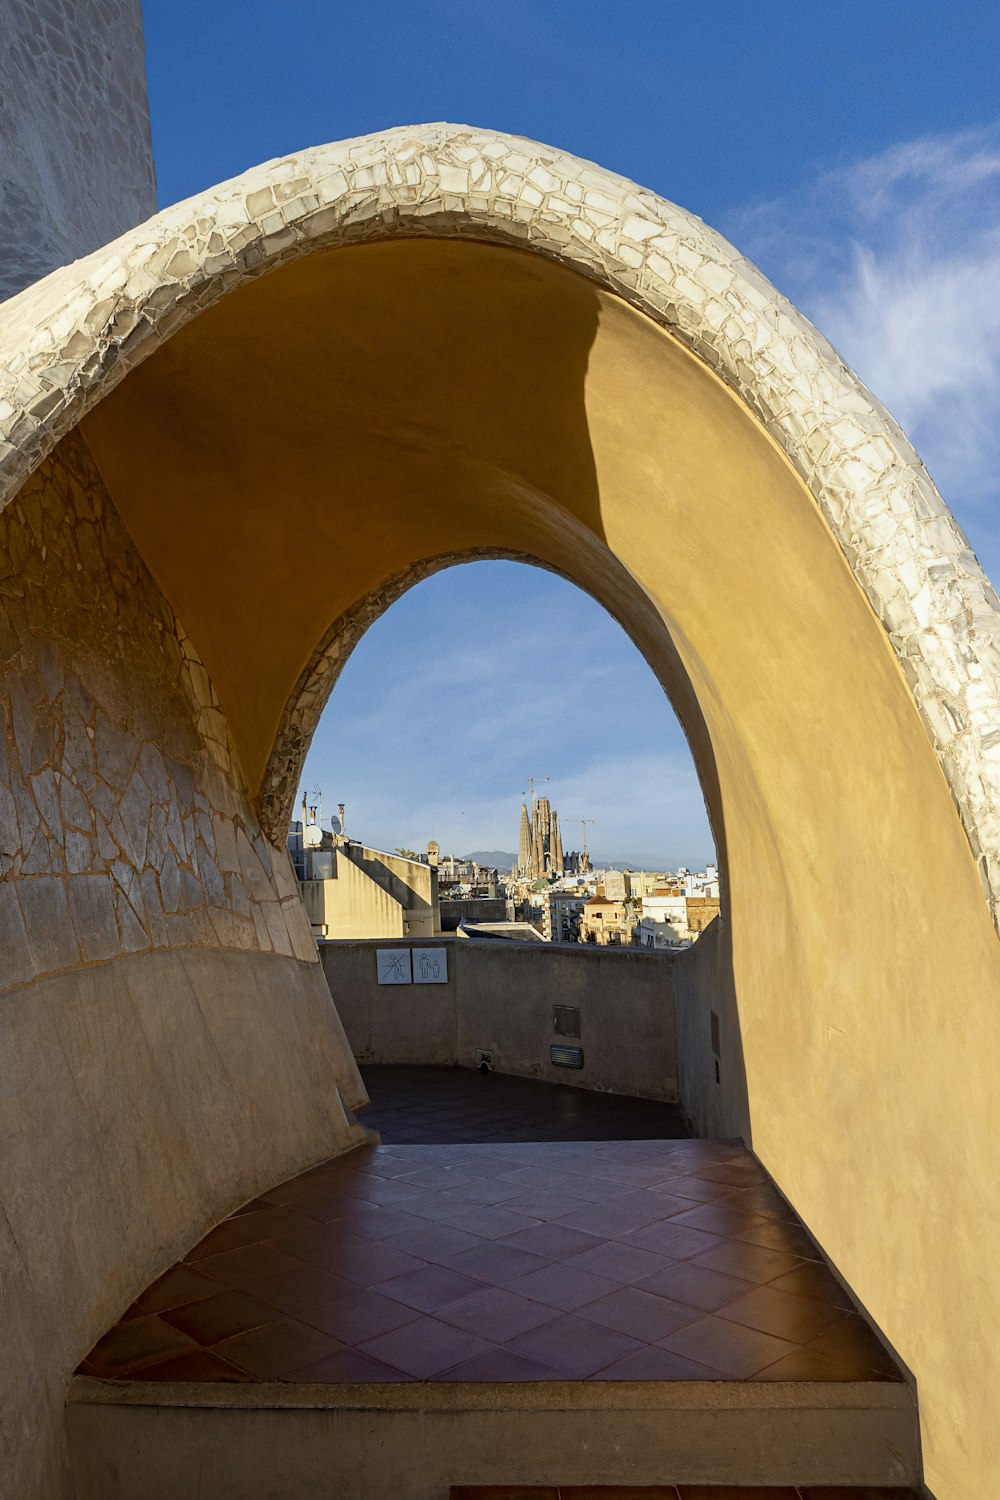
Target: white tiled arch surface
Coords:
[(70, 338)]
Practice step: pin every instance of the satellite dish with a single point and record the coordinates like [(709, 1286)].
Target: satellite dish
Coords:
[(335, 825), (312, 835)]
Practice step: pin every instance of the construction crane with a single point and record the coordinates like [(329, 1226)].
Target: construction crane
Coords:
[(583, 824), (531, 782)]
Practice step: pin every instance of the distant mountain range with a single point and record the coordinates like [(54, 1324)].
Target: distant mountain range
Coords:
[(503, 859)]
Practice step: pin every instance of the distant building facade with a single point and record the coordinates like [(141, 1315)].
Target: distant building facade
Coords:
[(605, 922), (351, 891)]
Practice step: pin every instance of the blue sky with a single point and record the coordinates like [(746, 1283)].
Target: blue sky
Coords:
[(853, 151)]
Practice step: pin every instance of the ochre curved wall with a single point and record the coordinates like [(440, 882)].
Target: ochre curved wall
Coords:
[(327, 426)]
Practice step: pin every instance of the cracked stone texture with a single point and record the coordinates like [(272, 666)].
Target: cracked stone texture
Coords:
[(76, 163), (124, 825), (73, 336)]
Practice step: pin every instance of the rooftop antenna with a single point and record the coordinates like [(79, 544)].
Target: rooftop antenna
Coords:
[(316, 805)]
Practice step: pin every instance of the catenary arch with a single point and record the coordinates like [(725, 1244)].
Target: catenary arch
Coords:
[(441, 342), (306, 705), (79, 332)]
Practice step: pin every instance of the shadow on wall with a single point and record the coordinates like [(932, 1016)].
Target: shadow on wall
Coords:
[(711, 1070), (653, 1025)]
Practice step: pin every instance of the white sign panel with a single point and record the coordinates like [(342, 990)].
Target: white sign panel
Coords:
[(393, 965), (430, 966)]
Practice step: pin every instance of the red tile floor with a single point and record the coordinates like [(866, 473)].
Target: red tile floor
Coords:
[(681, 1492), (503, 1260)]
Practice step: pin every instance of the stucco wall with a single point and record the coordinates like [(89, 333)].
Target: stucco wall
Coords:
[(167, 1044), (76, 164), (499, 997)]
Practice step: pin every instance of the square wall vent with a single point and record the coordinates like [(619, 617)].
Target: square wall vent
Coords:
[(566, 1020)]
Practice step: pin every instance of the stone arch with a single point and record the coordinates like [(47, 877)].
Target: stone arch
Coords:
[(718, 474), (80, 331)]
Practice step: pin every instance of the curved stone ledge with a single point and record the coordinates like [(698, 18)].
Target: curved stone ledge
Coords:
[(73, 336)]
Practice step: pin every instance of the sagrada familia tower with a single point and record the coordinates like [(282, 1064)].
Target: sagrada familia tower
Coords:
[(540, 850)]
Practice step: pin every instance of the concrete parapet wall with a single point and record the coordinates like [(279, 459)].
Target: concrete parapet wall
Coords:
[(499, 997)]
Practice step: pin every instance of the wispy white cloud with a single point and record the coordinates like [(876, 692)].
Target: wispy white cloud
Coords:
[(897, 259)]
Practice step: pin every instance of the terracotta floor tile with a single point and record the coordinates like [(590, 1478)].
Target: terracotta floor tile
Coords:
[(599, 1190), (496, 1263), (135, 1311), (361, 1315), (178, 1286), (501, 1365), (617, 1492), (553, 1241), (680, 1259), (656, 1363), (347, 1367), (850, 1338), (429, 1288), (224, 1237), (437, 1243), (244, 1269), (734, 1174), (751, 1262), (372, 1222), (318, 1245), (542, 1180), (395, 1193), (776, 1234), (495, 1314), (438, 1208), (368, 1264), (718, 1218), (639, 1314), (787, 1316), (676, 1241), (542, 1205), (220, 1317), (490, 1222), (862, 1492), (736, 1351), (633, 1210), (299, 1292), (197, 1365), (503, 1492), (764, 1200), (482, 1190), (618, 1262), (669, 1203), (425, 1348), (562, 1287), (809, 1364), (270, 1351), (696, 1286), (810, 1279), (735, 1492), (143, 1341), (270, 1222), (574, 1345)]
